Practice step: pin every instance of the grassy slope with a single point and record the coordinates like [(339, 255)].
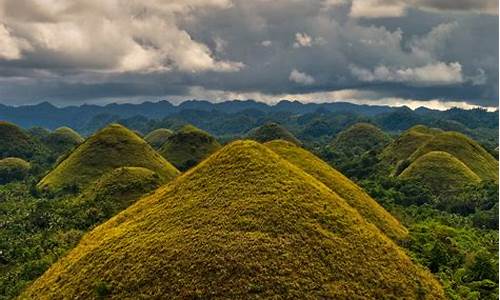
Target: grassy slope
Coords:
[(189, 146), (466, 150), (62, 140), (15, 142), (441, 172), (110, 148), (407, 143), (158, 137), (345, 188), (272, 131), (359, 138), (244, 223)]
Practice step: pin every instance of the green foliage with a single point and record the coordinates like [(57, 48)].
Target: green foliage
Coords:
[(158, 137), (14, 142), (35, 232), (245, 223), (188, 146), (110, 148), (272, 131), (13, 168), (63, 139), (360, 138)]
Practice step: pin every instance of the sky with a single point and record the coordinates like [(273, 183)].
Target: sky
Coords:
[(434, 53)]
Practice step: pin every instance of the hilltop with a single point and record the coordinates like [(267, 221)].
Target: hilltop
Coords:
[(407, 143), (158, 137), (13, 168), (112, 147), (464, 149), (272, 131), (368, 208), (359, 138), (188, 146), (62, 140), (441, 172), (244, 223), (16, 143)]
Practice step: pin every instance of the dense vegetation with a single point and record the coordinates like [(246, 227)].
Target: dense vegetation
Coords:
[(444, 216)]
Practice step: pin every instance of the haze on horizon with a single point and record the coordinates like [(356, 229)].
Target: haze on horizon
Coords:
[(434, 53)]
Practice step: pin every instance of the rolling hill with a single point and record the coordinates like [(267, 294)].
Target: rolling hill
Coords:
[(62, 139), (14, 142), (368, 208), (442, 172), (243, 224), (158, 137), (112, 147), (188, 146), (13, 168), (359, 138), (272, 131)]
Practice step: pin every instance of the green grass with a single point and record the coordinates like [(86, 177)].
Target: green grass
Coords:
[(272, 131), (464, 149), (112, 147), (407, 143), (13, 168), (440, 171), (14, 142), (62, 140), (158, 137), (345, 188), (243, 224), (359, 138), (188, 146)]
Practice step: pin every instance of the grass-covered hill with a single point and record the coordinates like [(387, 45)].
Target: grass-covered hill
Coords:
[(464, 149), (62, 139), (407, 143), (112, 147), (243, 224), (158, 137), (359, 138), (13, 168), (345, 188), (188, 146), (14, 142), (272, 131), (442, 172)]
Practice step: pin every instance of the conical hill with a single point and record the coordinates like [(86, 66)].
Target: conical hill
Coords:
[(158, 137), (14, 142), (62, 140), (112, 147), (243, 224), (272, 131), (345, 188), (359, 138), (441, 172), (188, 146)]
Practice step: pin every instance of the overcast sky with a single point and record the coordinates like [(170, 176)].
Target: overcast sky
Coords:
[(436, 53)]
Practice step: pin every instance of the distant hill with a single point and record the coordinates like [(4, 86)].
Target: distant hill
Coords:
[(158, 137), (62, 139), (188, 146), (13, 168), (15, 142), (112, 147), (442, 172), (359, 138), (345, 188), (272, 131), (243, 224)]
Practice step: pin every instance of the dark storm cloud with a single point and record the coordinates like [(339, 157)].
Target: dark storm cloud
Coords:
[(89, 51)]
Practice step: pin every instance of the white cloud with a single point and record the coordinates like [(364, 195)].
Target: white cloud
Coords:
[(433, 43), (432, 74), (398, 8), (112, 36), (305, 40), (11, 47), (300, 77), (266, 43)]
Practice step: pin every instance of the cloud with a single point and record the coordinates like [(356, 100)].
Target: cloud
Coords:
[(266, 43), (300, 77), (11, 47), (432, 74), (304, 40), (398, 8), (118, 36)]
